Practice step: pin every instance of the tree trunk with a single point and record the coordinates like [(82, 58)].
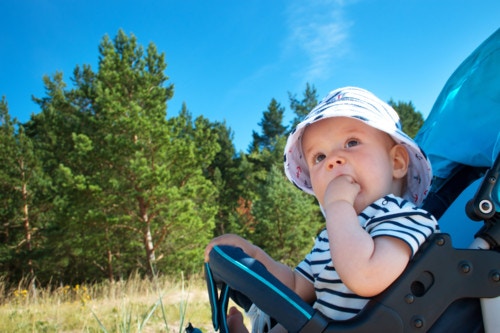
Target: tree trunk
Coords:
[(26, 220), (150, 252), (147, 238), (111, 276)]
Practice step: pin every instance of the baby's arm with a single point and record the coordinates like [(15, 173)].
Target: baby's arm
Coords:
[(293, 280), (366, 265)]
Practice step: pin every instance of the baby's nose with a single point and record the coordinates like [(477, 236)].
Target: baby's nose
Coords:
[(335, 161)]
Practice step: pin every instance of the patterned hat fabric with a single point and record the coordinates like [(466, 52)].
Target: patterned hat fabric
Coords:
[(362, 105)]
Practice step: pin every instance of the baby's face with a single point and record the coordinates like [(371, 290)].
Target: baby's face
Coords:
[(342, 146)]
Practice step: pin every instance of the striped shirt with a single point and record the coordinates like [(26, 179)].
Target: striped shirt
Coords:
[(389, 216)]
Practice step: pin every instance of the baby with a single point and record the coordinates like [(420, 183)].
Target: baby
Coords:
[(369, 179)]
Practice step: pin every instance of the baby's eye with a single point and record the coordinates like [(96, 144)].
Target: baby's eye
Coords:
[(351, 143), (318, 158)]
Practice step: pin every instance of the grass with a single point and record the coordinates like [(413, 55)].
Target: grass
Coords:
[(135, 305)]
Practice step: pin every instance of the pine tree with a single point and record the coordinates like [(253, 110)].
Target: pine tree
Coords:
[(19, 178), (154, 168), (271, 126), (124, 178), (303, 107)]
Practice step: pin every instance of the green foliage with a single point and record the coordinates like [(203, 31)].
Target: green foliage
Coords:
[(230, 174), (20, 175), (272, 128), (411, 119), (302, 107), (287, 219)]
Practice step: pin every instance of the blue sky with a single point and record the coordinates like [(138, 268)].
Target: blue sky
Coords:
[(227, 59)]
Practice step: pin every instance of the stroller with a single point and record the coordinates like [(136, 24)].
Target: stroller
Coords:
[(443, 289)]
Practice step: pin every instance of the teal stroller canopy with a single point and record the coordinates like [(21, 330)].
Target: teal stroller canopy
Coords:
[(463, 125)]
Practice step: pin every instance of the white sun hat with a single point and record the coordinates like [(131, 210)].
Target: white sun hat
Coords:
[(359, 104)]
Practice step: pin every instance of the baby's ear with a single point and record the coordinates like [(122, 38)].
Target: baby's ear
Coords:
[(400, 161)]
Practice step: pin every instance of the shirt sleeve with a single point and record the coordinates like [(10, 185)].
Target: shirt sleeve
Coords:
[(408, 223)]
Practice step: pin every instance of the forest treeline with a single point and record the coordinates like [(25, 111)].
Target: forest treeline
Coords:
[(101, 183)]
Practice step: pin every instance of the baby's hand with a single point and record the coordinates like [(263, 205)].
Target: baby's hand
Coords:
[(230, 239), (341, 188)]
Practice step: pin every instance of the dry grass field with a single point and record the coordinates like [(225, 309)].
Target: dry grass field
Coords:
[(134, 305)]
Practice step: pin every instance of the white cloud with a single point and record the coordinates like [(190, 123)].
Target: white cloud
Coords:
[(319, 30)]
